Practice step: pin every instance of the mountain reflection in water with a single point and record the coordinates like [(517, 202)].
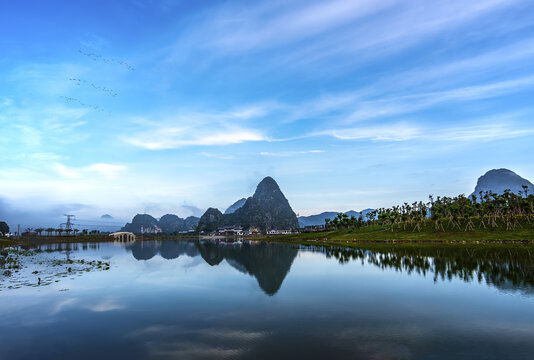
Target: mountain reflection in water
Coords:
[(507, 268), (269, 263)]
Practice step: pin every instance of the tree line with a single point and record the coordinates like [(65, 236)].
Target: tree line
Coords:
[(488, 210), (4, 230)]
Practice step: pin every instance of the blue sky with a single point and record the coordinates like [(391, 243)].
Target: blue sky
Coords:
[(174, 106)]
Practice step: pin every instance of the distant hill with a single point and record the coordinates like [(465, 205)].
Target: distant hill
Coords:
[(106, 217), (267, 209), (320, 218), (498, 180), (168, 224), (211, 220), (238, 204)]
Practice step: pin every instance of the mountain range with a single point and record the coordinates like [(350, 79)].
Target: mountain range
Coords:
[(267, 209), (167, 224)]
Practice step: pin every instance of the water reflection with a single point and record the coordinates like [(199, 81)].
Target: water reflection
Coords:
[(339, 303), (269, 263), (507, 268)]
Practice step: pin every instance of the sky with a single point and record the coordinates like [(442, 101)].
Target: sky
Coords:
[(129, 107)]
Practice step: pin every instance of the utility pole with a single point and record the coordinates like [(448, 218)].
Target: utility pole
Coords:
[(68, 224)]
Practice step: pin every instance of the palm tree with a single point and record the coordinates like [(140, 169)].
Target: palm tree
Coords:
[(75, 232), (59, 231), (39, 231)]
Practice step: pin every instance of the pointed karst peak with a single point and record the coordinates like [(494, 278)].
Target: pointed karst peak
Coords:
[(267, 184)]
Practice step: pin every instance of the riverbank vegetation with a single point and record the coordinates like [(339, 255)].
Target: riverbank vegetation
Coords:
[(488, 211)]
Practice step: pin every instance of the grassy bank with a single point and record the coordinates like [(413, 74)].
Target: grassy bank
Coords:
[(379, 234)]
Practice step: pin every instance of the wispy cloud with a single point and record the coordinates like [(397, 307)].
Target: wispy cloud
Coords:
[(387, 132), (277, 23), (199, 129), (290, 153), (217, 156), (491, 130)]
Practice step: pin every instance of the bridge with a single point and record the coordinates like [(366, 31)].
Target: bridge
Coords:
[(123, 236)]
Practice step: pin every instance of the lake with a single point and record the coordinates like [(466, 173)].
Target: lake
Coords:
[(223, 300)]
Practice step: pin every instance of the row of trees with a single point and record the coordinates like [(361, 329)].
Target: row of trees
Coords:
[(486, 211), (4, 229), (60, 231)]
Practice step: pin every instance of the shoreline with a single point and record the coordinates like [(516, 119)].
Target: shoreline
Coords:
[(346, 238)]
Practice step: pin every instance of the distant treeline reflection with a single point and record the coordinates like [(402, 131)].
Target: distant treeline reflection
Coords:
[(508, 268)]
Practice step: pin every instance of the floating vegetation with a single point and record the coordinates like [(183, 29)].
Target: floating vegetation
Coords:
[(19, 267)]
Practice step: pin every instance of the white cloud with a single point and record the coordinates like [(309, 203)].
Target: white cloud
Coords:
[(66, 172), (290, 153), (102, 169), (198, 129), (106, 169), (173, 138)]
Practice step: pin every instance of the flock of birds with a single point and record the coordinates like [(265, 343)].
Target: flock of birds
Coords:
[(108, 91), (102, 88), (97, 57), (78, 101)]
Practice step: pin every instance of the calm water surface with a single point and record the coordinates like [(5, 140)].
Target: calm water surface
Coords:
[(205, 300)]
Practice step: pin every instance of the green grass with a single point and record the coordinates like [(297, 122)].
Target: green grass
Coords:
[(375, 233)]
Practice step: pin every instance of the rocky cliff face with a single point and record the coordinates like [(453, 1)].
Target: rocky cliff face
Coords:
[(267, 209), (498, 180), (142, 223)]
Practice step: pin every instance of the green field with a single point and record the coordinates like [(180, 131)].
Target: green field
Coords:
[(379, 234)]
